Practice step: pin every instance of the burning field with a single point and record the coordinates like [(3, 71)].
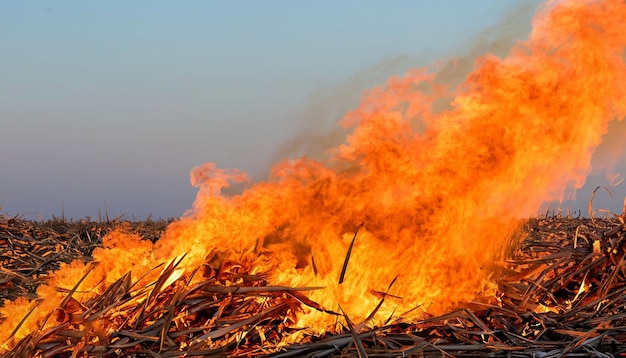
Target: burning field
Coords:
[(407, 239), (561, 292)]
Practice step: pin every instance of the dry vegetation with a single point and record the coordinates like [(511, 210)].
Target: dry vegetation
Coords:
[(30, 250), (562, 293)]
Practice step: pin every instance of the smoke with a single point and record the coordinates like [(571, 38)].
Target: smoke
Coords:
[(608, 159), (608, 169), (316, 122)]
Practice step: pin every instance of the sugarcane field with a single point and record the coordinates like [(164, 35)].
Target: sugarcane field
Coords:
[(560, 292)]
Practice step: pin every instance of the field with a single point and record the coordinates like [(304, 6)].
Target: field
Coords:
[(561, 292)]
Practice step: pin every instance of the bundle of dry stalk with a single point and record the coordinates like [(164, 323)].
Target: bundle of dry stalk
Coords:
[(563, 294)]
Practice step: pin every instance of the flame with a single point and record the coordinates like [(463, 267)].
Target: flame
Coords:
[(433, 194)]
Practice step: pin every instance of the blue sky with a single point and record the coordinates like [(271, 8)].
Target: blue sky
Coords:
[(115, 102)]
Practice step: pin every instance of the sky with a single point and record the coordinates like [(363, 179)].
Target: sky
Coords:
[(105, 107)]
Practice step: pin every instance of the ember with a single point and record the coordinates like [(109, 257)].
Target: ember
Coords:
[(406, 220)]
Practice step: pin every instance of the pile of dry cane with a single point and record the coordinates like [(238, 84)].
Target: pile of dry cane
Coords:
[(563, 294)]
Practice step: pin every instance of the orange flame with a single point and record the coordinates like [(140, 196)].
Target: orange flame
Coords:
[(437, 192)]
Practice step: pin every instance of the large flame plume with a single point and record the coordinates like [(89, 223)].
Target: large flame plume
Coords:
[(421, 198)]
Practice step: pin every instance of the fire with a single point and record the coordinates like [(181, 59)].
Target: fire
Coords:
[(423, 199)]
